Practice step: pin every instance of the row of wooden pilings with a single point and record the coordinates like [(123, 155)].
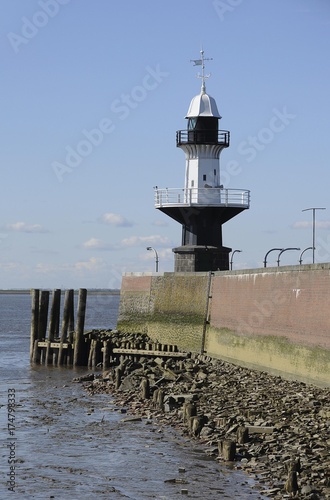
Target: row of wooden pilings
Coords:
[(66, 344), (58, 344)]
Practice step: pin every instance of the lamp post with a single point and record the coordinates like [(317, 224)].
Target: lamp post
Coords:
[(302, 253), (156, 256), (305, 210), (231, 260), (271, 250), (284, 250)]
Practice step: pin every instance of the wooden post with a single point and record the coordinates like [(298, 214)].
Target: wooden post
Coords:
[(69, 355), (36, 352), (43, 314), (117, 377), (54, 315), (94, 355), (145, 388), (67, 314), (228, 450), (67, 323), (47, 351), (242, 435), (79, 357), (106, 354), (90, 354), (34, 320)]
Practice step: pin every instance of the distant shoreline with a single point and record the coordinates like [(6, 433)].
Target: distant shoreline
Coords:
[(93, 291)]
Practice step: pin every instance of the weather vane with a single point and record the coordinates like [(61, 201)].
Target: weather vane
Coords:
[(200, 62)]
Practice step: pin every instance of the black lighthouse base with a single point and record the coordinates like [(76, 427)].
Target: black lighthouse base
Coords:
[(194, 258)]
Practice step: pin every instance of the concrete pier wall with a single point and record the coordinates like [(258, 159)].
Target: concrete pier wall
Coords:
[(274, 319)]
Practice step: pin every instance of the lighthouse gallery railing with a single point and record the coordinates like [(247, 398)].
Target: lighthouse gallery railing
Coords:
[(202, 196)]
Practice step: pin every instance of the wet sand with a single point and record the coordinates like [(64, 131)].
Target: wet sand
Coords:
[(74, 445)]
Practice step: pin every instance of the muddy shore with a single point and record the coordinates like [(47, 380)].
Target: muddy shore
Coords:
[(276, 431)]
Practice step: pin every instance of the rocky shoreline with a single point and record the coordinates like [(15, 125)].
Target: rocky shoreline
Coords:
[(277, 431)]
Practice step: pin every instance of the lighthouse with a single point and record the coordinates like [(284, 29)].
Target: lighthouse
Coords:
[(203, 205)]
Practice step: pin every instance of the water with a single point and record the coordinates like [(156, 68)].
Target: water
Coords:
[(65, 444)]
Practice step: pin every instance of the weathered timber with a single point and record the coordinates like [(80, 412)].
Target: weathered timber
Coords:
[(145, 388), (79, 357), (36, 352), (228, 450), (34, 320), (54, 320), (43, 314), (68, 318), (144, 352), (53, 345), (106, 354)]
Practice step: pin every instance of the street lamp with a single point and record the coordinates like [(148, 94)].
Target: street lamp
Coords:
[(156, 255), (271, 250), (302, 253), (305, 210), (284, 250), (231, 260)]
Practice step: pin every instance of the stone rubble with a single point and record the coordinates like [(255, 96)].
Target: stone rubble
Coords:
[(275, 430)]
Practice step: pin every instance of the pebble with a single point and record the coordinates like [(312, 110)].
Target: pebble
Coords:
[(287, 450)]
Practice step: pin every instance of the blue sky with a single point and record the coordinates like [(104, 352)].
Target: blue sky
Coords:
[(92, 93)]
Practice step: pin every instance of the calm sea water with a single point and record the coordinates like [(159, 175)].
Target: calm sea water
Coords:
[(58, 442)]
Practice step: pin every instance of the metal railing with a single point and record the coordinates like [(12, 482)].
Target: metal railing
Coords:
[(203, 137), (202, 196)]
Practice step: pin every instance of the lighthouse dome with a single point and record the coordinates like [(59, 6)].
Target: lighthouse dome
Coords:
[(203, 105)]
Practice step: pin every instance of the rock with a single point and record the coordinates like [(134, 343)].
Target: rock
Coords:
[(131, 419), (84, 378), (287, 444)]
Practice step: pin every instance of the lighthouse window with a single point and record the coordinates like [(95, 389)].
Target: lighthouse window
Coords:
[(192, 123), (204, 177), (215, 172), (192, 184)]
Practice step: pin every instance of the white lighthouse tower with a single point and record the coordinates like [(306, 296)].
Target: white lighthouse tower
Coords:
[(203, 205)]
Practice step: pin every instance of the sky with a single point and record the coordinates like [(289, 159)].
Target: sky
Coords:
[(92, 94)]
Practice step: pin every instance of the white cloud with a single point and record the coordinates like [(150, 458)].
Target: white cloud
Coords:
[(10, 266), (115, 220), (22, 227), (93, 264), (153, 240), (96, 244)]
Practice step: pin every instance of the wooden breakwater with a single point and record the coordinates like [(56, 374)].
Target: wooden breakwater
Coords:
[(65, 343), (50, 342)]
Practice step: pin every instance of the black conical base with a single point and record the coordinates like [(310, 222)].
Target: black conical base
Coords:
[(197, 258)]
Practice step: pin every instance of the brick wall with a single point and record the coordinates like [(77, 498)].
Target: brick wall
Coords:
[(292, 302), (275, 319)]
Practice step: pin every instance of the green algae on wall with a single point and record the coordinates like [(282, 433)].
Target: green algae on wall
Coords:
[(171, 311), (274, 354)]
